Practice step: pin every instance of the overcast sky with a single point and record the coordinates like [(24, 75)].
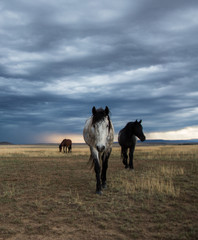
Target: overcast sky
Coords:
[(60, 58)]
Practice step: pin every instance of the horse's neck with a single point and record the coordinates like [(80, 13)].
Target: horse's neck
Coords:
[(130, 131)]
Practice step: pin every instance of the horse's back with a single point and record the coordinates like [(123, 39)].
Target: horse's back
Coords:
[(68, 142), (126, 141)]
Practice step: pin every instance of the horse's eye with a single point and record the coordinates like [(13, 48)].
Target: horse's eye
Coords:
[(107, 125)]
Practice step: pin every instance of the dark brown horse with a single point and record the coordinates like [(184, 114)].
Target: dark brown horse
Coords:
[(66, 144), (127, 140)]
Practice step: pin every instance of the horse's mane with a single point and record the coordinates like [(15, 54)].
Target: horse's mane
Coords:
[(128, 129), (63, 141), (129, 125), (100, 115)]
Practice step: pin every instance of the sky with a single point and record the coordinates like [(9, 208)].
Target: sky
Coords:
[(60, 58)]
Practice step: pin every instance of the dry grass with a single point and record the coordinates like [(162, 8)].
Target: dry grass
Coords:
[(159, 182), (45, 194)]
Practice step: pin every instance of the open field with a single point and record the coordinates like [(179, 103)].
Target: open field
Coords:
[(49, 195)]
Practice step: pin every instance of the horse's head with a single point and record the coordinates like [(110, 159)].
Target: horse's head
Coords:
[(101, 126), (138, 130), (60, 148)]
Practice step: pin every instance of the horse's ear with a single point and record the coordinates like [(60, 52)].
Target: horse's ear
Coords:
[(136, 121), (140, 121), (107, 110), (93, 110)]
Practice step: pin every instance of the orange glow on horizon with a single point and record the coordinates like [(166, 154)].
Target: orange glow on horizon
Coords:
[(57, 138), (182, 134)]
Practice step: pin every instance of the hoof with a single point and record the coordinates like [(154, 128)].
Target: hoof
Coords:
[(126, 166), (104, 185), (99, 193)]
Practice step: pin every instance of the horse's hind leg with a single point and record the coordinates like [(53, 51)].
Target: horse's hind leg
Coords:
[(69, 149), (125, 157), (105, 158), (131, 157)]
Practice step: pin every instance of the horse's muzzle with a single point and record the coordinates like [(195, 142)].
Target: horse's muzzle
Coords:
[(142, 139), (100, 148)]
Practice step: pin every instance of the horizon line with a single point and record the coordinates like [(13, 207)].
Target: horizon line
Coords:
[(192, 140)]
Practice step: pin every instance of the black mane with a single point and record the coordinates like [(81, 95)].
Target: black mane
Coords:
[(128, 130), (128, 126), (99, 115)]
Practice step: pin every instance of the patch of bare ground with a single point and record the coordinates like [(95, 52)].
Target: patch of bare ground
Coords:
[(52, 196)]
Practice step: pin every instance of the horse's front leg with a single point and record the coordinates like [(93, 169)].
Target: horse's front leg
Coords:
[(125, 156), (131, 157), (96, 160), (97, 171), (105, 158)]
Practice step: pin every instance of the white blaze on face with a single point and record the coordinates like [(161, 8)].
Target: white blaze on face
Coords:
[(101, 130), (98, 135)]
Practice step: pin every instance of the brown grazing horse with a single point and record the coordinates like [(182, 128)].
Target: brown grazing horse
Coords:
[(66, 144)]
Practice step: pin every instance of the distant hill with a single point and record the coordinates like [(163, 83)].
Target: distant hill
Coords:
[(5, 143), (166, 142)]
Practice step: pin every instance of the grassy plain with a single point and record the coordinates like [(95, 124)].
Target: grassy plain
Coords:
[(49, 195)]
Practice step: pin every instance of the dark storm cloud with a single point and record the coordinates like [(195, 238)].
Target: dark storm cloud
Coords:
[(59, 58)]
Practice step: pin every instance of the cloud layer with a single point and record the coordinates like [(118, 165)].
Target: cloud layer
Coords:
[(60, 58)]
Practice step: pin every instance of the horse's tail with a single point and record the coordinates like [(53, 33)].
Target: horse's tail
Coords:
[(90, 162)]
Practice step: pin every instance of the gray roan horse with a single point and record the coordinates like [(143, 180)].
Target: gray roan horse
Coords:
[(127, 140), (98, 134)]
